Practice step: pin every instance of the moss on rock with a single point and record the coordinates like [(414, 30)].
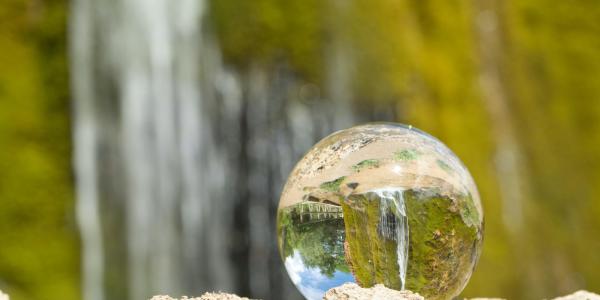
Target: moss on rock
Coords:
[(334, 185), (442, 248), (444, 239), (373, 257), (367, 163), (406, 154)]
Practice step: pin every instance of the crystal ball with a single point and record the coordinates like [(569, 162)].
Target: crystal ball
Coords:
[(380, 203)]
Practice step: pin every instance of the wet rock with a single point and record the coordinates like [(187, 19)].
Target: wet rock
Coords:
[(351, 291)]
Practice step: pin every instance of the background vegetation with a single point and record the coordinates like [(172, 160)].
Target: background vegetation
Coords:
[(511, 86), (314, 241), (38, 241)]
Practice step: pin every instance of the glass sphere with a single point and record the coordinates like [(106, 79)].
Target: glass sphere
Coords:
[(380, 203)]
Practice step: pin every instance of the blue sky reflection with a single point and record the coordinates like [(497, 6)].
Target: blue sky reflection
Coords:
[(310, 281)]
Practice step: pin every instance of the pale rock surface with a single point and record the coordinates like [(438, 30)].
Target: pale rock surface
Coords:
[(580, 295), (351, 291), (3, 296), (206, 296)]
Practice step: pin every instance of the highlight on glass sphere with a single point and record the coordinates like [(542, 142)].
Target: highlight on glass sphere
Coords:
[(380, 203)]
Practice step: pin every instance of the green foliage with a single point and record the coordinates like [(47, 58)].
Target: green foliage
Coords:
[(320, 244), (39, 247), (266, 32), (406, 154), (367, 163), (332, 186)]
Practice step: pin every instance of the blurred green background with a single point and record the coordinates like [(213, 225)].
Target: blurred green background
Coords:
[(38, 235), (513, 87)]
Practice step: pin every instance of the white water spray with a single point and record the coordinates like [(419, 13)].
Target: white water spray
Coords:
[(392, 202)]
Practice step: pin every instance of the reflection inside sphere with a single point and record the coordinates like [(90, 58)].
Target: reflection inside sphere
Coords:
[(380, 203)]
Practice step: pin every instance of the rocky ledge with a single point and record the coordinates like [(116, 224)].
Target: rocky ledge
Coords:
[(206, 296), (351, 291), (580, 295)]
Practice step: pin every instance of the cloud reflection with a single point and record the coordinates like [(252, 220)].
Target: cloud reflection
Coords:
[(310, 281)]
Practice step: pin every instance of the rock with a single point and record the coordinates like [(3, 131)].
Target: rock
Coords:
[(206, 296), (580, 295), (220, 296), (3, 296), (351, 291)]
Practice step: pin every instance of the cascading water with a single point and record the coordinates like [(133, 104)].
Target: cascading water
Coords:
[(393, 224), (147, 160), (180, 159)]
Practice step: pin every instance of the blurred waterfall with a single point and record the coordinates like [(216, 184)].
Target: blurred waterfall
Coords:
[(179, 159)]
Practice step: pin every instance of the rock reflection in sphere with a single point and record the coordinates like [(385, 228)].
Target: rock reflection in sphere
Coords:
[(380, 203)]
